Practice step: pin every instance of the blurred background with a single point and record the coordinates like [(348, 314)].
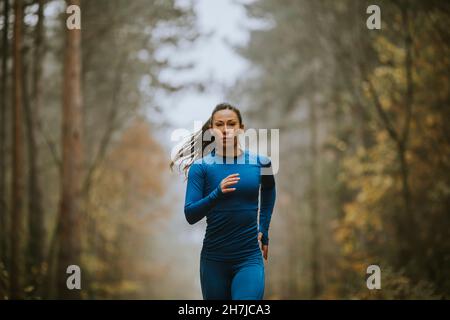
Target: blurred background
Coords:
[(86, 119)]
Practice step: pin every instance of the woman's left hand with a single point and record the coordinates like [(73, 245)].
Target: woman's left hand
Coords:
[(264, 247)]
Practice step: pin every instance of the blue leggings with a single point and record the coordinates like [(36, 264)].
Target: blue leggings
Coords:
[(225, 280)]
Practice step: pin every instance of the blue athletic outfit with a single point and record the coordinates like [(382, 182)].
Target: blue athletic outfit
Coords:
[(231, 265)]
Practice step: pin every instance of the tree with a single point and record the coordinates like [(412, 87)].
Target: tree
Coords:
[(36, 243), (3, 153), (70, 210), (18, 179)]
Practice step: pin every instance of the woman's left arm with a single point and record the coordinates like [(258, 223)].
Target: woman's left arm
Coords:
[(268, 196)]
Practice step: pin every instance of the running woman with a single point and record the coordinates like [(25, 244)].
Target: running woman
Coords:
[(228, 187)]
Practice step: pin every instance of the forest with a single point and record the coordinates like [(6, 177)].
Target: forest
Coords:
[(85, 121)]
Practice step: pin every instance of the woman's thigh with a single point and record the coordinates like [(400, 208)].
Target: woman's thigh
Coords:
[(248, 281), (215, 280)]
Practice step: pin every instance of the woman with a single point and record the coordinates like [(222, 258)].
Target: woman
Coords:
[(224, 186)]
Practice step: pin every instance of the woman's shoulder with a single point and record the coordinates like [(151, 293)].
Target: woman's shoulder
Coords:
[(259, 158), (197, 166), (207, 159)]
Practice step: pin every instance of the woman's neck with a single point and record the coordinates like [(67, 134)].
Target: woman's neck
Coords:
[(235, 153)]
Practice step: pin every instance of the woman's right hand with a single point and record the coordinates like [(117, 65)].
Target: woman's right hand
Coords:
[(228, 181)]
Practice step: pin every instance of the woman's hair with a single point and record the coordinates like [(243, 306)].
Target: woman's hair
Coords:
[(195, 147)]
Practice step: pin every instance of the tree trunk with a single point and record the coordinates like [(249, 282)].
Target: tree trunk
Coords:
[(17, 218), (71, 173), (3, 153), (36, 219), (313, 199)]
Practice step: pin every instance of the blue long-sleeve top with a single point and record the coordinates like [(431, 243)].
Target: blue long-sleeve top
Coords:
[(232, 225)]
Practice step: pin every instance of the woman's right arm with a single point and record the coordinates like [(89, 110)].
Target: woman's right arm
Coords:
[(195, 206)]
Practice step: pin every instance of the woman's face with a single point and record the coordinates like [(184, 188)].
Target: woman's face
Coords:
[(226, 128)]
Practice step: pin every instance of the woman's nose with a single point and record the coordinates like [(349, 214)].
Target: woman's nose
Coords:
[(227, 131)]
